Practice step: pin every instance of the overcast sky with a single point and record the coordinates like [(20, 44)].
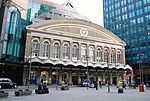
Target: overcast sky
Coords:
[(93, 9)]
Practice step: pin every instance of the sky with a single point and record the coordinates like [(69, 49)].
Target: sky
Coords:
[(93, 9)]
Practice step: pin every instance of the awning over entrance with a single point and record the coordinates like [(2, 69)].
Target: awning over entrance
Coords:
[(128, 67)]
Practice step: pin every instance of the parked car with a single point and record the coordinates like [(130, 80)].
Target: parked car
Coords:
[(85, 83), (7, 83)]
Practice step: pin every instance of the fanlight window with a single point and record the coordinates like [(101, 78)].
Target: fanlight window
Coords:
[(56, 50), (119, 57), (113, 56), (99, 55), (91, 54), (66, 52), (35, 48), (46, 49), (106, 54), (74, 53), (83, 53)]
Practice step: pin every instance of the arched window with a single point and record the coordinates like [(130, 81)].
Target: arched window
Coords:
[(35, 48), (91, 54), (74, 52), (56, 50), (45, 49), (99, 55), (66, 51), (83, 53), (106, 54), (119, 57), (113, 56)]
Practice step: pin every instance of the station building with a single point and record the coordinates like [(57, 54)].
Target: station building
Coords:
[(63, 46)]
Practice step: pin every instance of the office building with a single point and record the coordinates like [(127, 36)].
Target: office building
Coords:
[(12, 38), (130, 20)]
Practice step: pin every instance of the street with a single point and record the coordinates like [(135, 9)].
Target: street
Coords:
[(82, 94)]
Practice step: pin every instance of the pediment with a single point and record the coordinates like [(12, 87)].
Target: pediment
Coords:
[(78, 29)]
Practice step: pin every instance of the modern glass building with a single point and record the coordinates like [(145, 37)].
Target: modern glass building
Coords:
[(130, 20), (12, 36), (38, 7)]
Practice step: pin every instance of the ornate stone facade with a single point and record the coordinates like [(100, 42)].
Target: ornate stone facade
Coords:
[(62, 49)]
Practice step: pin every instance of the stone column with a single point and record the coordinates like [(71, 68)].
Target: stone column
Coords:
[(50, 75), (110, 78), (51, 49), (70, 55), (117, 78), (28, 47), (79, 49), (79, 77), (70, 76), (61, 49), (102, 54), (109, 55), (95, 55), (38, 76), (60, 77), (123, 54), (41, 47), (103, 79)]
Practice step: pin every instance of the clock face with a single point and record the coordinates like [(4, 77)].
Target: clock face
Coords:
[(83, 31)]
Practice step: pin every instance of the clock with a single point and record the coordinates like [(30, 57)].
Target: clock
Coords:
[(83, 31)]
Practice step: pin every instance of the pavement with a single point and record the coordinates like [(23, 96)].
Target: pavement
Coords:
[(80, 94)]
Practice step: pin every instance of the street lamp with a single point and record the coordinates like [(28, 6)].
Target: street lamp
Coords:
[(87, 72), (108, 79), (140, 63), (30, 65)]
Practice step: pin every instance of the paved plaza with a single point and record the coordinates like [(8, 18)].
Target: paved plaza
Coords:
[(82, 94)]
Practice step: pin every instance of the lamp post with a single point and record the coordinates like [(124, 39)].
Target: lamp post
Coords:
[(140, 63), (96, 80), (87, 71), (29, 77), (108, 79), (30, 65)]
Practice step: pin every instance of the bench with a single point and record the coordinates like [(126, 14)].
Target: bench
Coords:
[(3, 94), (64, 88), (22, 93)]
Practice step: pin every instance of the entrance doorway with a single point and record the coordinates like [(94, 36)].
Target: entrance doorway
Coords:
[(74, 78), (44, 77)]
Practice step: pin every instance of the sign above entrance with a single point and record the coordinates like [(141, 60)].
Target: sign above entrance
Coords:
[(83, 31)]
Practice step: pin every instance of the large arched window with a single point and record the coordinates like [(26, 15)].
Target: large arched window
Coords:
[(119, 57), (113, 56), (56, 50), (106, 54), (74, 52), (91, 54), (66, 51), (83, 53), (46, 49), (35, 48), (99, 55)]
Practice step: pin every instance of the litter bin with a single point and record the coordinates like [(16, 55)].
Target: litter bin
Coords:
[(141, 88), (120, 90)]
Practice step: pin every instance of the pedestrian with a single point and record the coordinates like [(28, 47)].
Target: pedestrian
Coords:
[(100, 84), (42, 81), (123, 85)]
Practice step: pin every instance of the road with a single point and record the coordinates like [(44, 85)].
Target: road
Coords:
[(82, 94)]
